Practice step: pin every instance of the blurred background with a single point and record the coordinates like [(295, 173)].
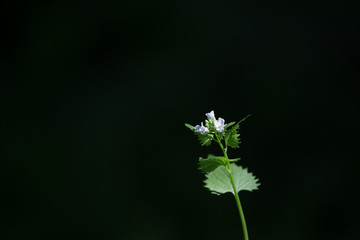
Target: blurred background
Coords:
[(95, 94)]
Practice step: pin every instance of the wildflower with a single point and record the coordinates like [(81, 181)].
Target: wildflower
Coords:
[(201, 129), (219, 125), (210, 115)]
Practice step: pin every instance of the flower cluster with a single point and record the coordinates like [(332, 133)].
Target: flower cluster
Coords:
[(211, 124)]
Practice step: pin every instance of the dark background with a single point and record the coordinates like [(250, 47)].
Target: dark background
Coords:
[(95, 94)]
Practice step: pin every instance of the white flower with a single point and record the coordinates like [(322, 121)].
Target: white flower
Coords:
[(201, 129), (210, 115), (219, 125)]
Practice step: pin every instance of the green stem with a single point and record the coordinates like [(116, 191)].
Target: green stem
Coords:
[(221, 146), (241, 213)]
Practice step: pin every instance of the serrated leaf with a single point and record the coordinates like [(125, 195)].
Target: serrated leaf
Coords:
[(221, 134), (205, 139), (232, 138), (211, 163), (224, 132), (218, 181)]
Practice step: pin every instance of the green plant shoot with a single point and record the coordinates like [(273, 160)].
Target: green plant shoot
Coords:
[(222, 174)]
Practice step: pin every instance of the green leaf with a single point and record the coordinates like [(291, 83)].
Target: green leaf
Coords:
[(211, 163), (190, 126), (234, 160), (244, 119), (205, 139), (218, 181), (232, 138), (223, 133), (229, 125)]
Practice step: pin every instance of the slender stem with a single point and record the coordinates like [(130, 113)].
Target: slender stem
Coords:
[(221, 146), (241, 213)]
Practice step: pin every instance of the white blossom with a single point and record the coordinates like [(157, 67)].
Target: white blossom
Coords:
[(201, 129), (210, 115), (219, 125)]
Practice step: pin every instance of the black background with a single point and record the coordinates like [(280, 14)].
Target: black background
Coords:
[(95, 94)]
